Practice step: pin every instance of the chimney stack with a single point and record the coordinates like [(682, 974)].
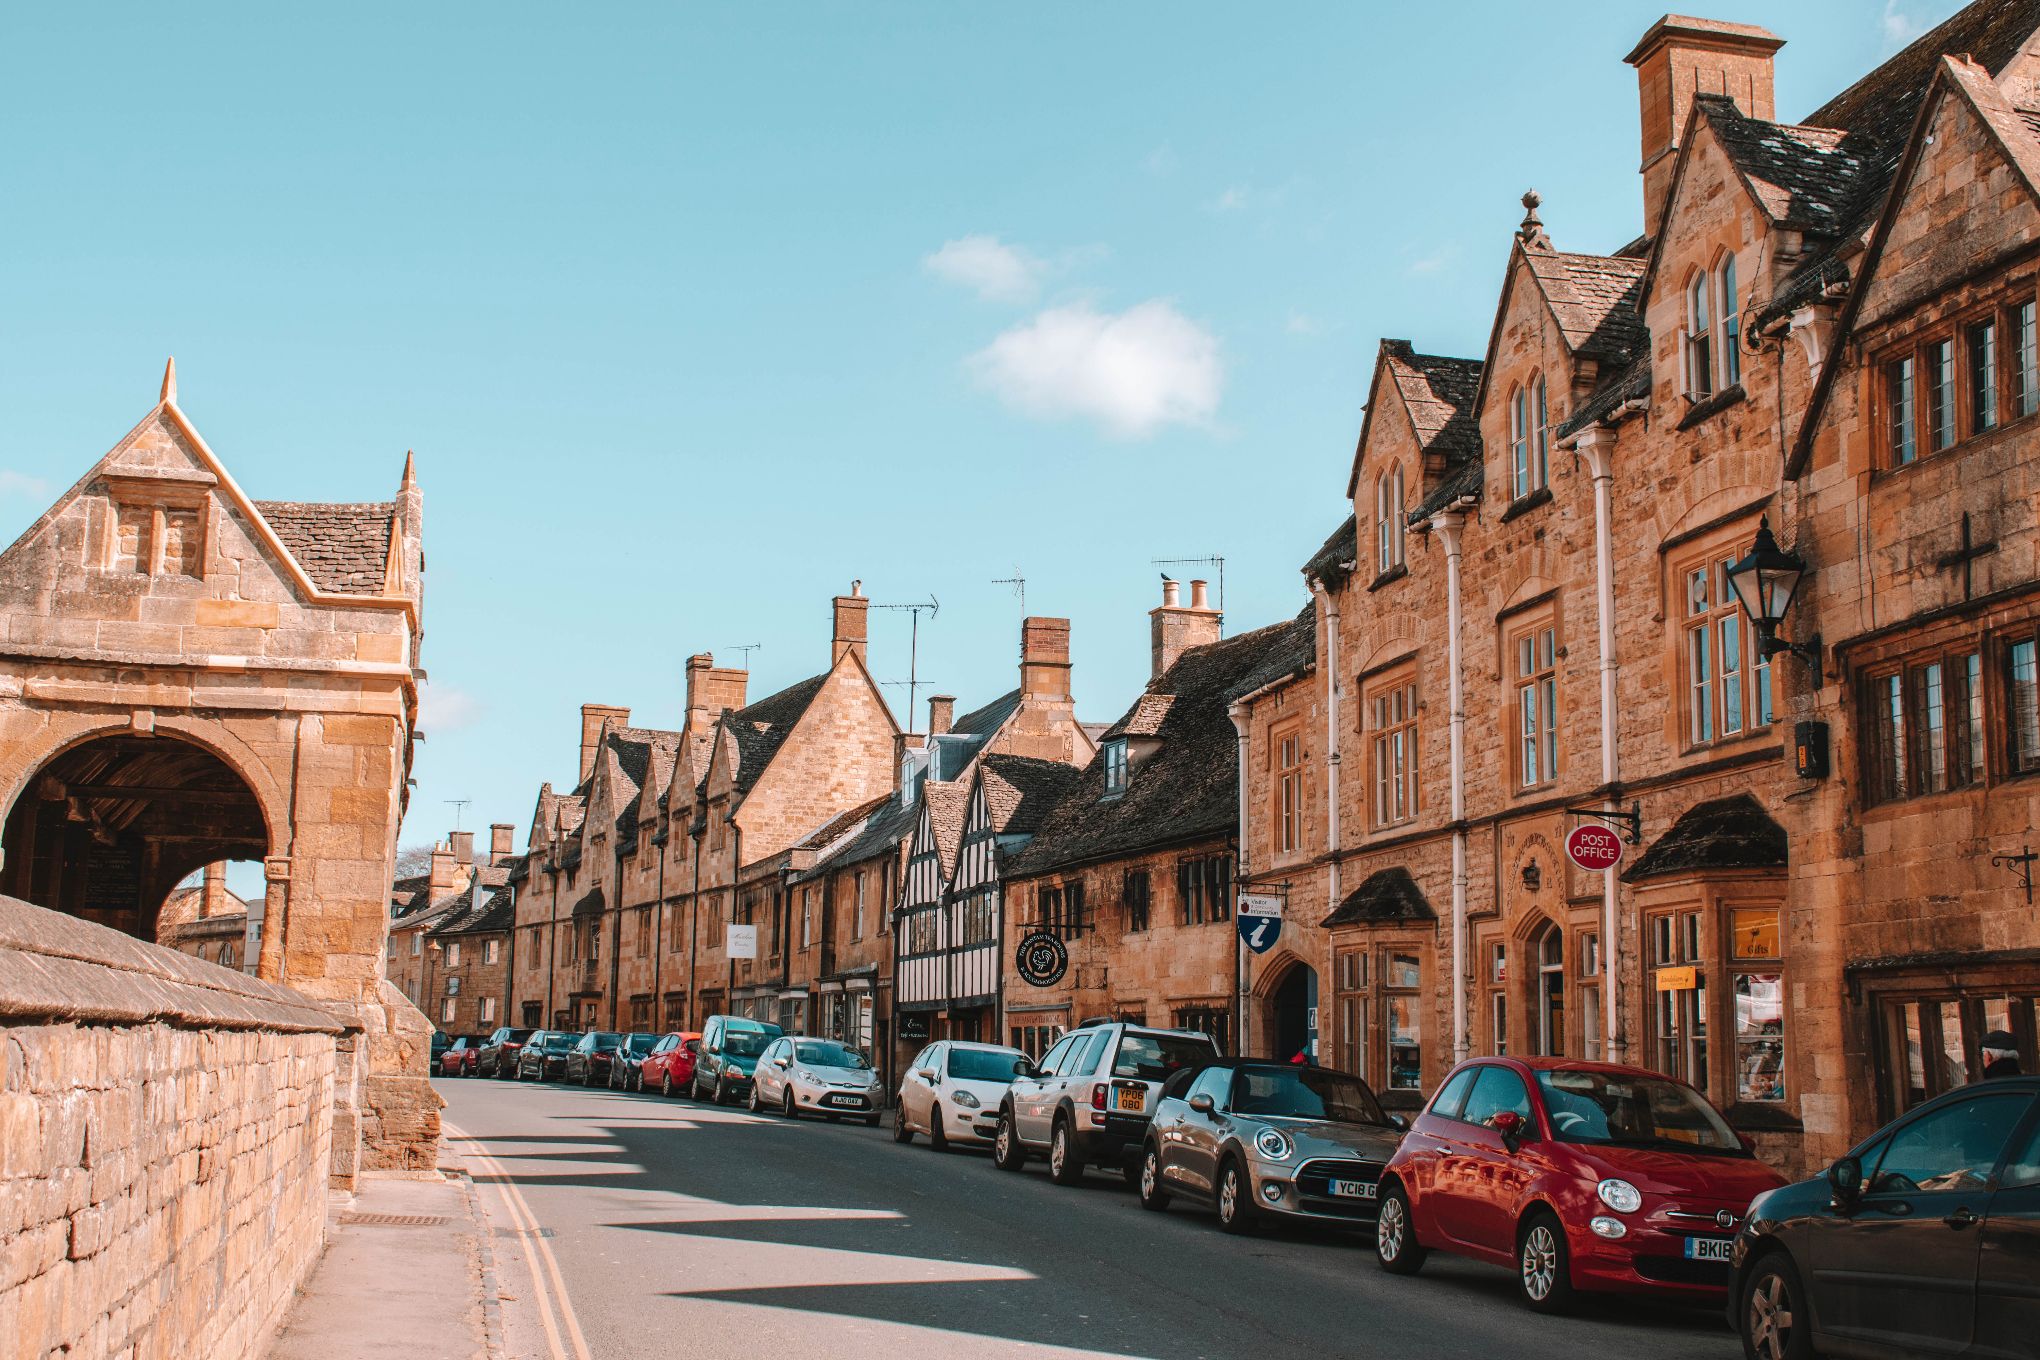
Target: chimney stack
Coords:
[(463, 843), (212, 898), (1044, 660), (500, 848), (710, 690), (445, 875), (593, 719), (941, 712), (1175, 628), (1678, 58), (850, 625)]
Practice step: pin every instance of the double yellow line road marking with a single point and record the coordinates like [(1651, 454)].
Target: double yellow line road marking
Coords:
[(550, 1289)]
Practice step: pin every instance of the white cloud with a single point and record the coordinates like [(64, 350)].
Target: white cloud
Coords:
[(989, 267), (1900, 27), (1232, 200), (443, 709), (1161, 160), (14, 483), (1132, 371), (1303, 323), (1432, 263)]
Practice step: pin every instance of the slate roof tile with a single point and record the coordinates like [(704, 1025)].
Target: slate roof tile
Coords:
[(343, 548), (1438, 391), (1724, 833), (1385, 895), (1020, 790)]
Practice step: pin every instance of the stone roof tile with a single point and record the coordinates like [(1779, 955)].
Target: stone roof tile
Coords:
[(343, 548)]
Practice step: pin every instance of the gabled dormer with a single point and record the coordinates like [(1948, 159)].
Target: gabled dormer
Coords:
[(1418, 433)]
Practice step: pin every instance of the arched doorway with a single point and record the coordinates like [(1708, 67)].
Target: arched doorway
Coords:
[(108, 828), (1548, 999), (1295, 1013)]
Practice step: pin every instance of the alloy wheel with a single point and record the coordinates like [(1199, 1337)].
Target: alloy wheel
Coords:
[(1769, 1323), (1229, 1196), (1540, 1262), (666, 1086), (1058, 1152), (786, 1103), (1391, 1231)]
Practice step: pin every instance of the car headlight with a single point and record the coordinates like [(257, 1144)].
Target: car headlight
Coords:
[(1620, 1196), (965, 1100), (1274, 1144), (807, 1077)]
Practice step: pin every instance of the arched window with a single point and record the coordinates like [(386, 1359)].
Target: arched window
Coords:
[(1388, 520), (1731, 325), (1529, 439), (1519, 443), (1699, 339)]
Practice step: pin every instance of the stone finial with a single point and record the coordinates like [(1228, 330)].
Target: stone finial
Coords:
[(169, 394), (410, 471), (1531, 232)]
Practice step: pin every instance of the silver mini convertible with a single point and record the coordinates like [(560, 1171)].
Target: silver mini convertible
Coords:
[(1254, 1139)]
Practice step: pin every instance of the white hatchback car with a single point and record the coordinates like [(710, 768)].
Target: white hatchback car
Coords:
[(799, 1075), (953, 1089)]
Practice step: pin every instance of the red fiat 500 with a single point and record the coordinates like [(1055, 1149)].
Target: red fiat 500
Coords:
[(669, 1067), (1580, 1176)]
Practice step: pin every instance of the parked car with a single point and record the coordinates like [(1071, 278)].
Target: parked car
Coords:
[(441, 1041), (458, 1059), (1577, 1175), (498, 1057), (1091, 1097), (799, 1074), (730, 1046), (1258, 1138), (670, 1064), (623, 1065), (1923, 1240), (954, 1086), (544, 1055), (589, 1057)]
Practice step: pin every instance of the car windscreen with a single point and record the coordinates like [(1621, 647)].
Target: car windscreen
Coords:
[(605, 1042), (1152, 1057), (1304, 1093), (823, 1053), (745, 1043), (982, 1064), (639, 1044), (1634, 1111), (517, 1036), (560, 1043)]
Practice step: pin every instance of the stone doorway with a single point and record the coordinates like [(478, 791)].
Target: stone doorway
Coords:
[(108, 828), (1294, 1004)]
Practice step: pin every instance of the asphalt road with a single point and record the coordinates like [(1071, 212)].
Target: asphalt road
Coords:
[(679, 1230)]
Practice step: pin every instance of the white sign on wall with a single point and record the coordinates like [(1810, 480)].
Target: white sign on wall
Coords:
[(741, 942), (1260, 904)]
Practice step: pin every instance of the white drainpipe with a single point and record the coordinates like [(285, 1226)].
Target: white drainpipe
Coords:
[(1598, 446), (1448, 522), (1237, 711), (1333, 689)]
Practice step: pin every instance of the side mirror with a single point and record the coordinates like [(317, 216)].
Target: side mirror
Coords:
[(1509, 1124), (926, 1074), (1845, 1180), (1023, 1068), (1202, 1103), (1401, 1122), (782, 1061)]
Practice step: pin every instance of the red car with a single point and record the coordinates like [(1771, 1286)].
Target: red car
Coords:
[(669, 1067), (1580, 1176), (459, 1058)]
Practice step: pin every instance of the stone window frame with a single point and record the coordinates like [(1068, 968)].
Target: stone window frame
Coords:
[(1710, 329), (1532, 622), (1117, 767), (1205, 884), (157, 496), (1367, 993), (1711, 902), (1390, 531), (1529, 409), (1904, 418), (1286, 785), (1757, 675), (1136, 894), (1377, 686)]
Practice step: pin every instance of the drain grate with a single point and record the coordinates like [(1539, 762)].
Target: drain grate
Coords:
[(394, 1220)]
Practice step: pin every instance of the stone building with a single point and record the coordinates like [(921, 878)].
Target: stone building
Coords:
[(1134, 868), (205, 920), (190, 675), (1529, 619)]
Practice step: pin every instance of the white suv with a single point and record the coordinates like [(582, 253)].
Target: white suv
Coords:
[(1092, 1096)]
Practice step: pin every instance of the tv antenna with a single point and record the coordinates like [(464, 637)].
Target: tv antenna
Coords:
[(459, 806), (1214, 560), (1019, 584), (933, 607), (747, 648)]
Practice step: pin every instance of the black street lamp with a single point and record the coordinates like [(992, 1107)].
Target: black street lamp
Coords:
[(1765, 583)]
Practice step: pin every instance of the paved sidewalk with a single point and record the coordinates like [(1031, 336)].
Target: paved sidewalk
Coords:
[(407, 1272)]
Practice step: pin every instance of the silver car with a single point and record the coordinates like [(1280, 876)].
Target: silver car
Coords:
[(799, 1075), (1257, 1139), (952, 1090)]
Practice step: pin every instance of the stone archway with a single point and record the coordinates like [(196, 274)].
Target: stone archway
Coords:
[(108, 826), (1292, 1004)]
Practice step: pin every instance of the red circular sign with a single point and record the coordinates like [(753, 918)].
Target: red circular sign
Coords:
[(1592, 846)]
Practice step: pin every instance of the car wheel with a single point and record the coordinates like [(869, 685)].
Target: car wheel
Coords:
[(938, 1137), (1007, 1154), (588, 1075), (1065, 1164), (1395, 1235), (1152, 1195), (722, 1091), (666, 1085), (786, 1104), (751, 1101), (1234, 1198), (901, 1131), (1774, 1319), (1541, 1265)]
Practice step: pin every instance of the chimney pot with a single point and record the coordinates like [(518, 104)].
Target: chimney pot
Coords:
[(1175, 628), (1171, 593), (1197, 595)]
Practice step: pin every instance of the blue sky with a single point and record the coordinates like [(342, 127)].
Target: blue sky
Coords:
[(695, 313)]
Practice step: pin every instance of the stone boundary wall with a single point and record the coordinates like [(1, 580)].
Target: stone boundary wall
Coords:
[(165, 1132)]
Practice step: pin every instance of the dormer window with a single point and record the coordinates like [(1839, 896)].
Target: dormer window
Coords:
[(1388, 520), (1713, 345), (158, 525), (1116, 769), (1529, 440)]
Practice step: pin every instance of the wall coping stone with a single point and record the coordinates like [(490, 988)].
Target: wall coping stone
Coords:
[(57, 967)]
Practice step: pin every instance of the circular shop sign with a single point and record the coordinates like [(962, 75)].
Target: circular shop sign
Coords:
[(1041, 959), (1593, 846)]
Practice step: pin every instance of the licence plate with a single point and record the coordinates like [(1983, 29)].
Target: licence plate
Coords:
[(1133, 1098), (1353, 1189), (1708, 1248), (846, 1100)]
